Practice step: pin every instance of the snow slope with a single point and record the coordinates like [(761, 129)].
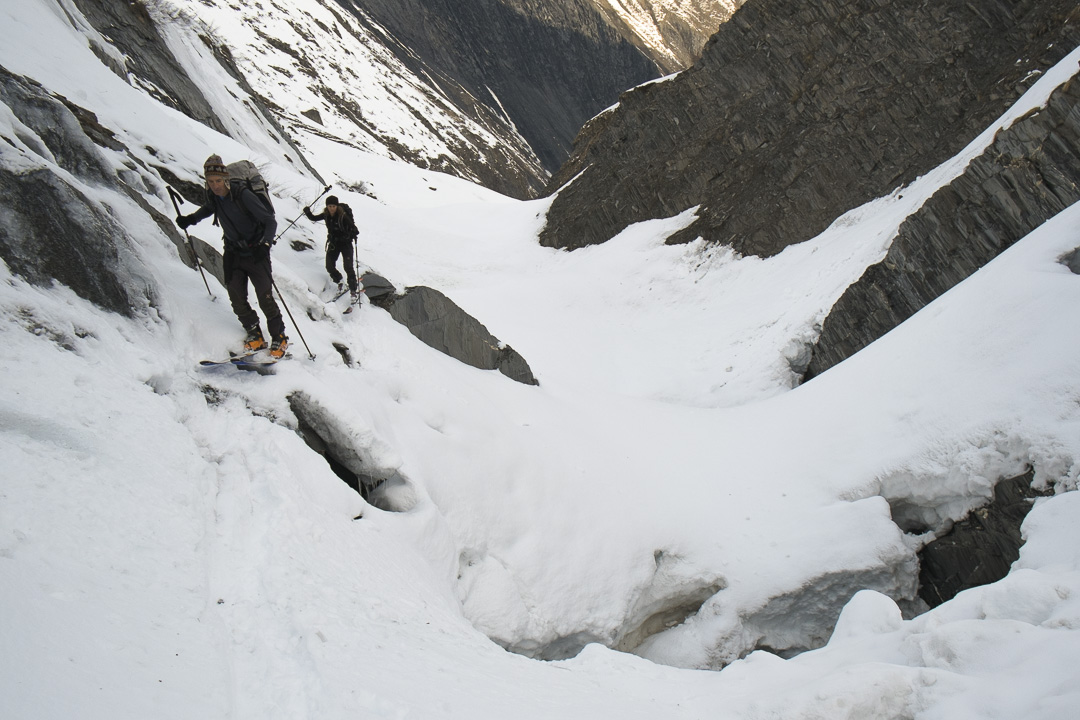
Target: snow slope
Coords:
[(325, 74), (171, 548)]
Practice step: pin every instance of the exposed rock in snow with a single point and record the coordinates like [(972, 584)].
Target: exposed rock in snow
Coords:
[(437, 321), (981, 548), (51, 229), (130, 32), (1030, 173)]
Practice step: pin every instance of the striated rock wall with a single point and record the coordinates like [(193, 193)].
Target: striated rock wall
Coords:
[(1029, 174), (798, 112)]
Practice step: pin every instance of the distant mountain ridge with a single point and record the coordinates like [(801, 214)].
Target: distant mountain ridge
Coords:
[(493, 91), (547, 65), (670, 32)]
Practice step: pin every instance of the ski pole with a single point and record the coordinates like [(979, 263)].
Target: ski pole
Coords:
[(325, 190), (194, 256), (289, 312), (356, 261)]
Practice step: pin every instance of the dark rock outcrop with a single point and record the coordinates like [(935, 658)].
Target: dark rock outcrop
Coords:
[(798, 112), (549, 65), (1029, 174), (50, 230), (1072, 261), (437, 321), (979, 549)]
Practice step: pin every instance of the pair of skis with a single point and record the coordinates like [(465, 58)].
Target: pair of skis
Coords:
[(353, 302), (246, 360), (259, 359)]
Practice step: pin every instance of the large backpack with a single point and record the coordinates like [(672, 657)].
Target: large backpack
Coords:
[(245, 173), (347, 222)]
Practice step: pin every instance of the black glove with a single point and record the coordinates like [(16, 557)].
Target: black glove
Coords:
[(183, 221)]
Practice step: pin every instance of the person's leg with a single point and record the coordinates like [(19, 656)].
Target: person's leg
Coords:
[(260, 274), (350, 269), (237, 287), (331, 263)]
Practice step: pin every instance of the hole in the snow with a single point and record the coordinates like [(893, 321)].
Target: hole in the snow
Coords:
[(979, 549), (385, 488)]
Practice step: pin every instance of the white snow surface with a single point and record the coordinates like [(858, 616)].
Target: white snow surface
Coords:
[(171, 548)]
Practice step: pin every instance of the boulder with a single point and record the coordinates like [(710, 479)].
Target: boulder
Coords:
[(439, 322)]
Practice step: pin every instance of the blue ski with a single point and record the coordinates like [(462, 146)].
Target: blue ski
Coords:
[(231, 359), (248, 361)]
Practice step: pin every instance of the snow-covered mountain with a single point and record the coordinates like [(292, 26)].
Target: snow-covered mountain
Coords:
[(328, 72), (175, 544), (314, 70)]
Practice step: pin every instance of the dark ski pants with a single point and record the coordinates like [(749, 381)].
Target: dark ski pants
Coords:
[(239, 270), (346, 253)]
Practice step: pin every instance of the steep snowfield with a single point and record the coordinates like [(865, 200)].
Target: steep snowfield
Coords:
[(170, 547), (313, 56)]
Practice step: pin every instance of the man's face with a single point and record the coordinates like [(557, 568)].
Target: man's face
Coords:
[(217, 185), (331, 209)]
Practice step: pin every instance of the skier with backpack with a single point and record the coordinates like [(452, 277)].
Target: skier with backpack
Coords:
[(237, 198), (341, 233)]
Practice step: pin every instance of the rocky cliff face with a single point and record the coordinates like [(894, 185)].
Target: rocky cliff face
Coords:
[(670, 32), (50, 228), (1029, 174), (546, 65), (798, 112)]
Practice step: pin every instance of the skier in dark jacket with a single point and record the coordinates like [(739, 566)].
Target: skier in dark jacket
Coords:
[(248, 228), (340, 233)]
